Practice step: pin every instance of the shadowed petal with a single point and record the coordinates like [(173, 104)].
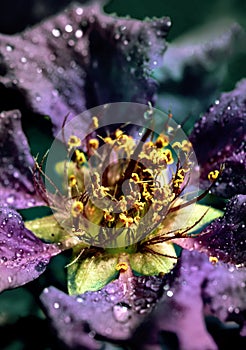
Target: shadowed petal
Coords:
[(224, 238), (219, 138), (194, 68), (196, 288), (80, 59), (114, 312), (23, 257), (16, 179)]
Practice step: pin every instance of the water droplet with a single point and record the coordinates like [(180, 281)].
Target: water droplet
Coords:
[(56, 305), (121, 312), (78, 34), (68, 28), (9, 48), (10, 279), (56, 32), (169, 293), (23, 60), (79, 11)]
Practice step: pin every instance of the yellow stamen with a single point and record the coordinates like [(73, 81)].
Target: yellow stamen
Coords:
[(77, 208), (168, 156), (80, 157), (72, 181), (118, 133), (213, 260), (95, 122), (108, 217), (162, 141), (213, 175), (126, 220), (122, 266), (93, 143), (74, 141)]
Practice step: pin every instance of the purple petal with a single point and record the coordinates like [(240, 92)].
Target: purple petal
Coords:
[(114, 312), (224, 238), (197, 288), (80, 59), (219, 138), (16, 180), (23, 257)]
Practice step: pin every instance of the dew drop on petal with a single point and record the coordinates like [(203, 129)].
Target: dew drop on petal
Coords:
[(121, 312), (56, 305)]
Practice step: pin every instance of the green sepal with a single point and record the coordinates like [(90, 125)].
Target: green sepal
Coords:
[(47, 229), (92, 272), (186, 217), (161, 258)]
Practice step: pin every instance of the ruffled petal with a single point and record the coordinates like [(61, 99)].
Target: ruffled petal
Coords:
[(80, 59)]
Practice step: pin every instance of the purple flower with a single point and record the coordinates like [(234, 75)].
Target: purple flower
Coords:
[(127, 282)]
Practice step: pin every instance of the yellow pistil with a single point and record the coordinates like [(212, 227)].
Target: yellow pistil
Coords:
[(213, 260), (213, 175), (93, 143), (122, 266), (73, 141), (80, 157), (161, 141), (77, 209), (72, 181)]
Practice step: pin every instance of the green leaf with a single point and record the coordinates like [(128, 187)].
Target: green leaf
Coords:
[(91, 273), (156, 260)]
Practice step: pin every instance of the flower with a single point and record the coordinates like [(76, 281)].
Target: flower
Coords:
[(208, 278)]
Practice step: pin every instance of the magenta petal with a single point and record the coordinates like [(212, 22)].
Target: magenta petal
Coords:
[(82, 58), (23, 257), (114, 312), (16, 180), (224, 238), (219, 138)]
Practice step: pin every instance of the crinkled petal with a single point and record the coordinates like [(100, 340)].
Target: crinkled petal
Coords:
[(16, 180), (82, 58), (219, 138), (113, 312), (197, 288), (23, 257), (224, 238), (194, 68)]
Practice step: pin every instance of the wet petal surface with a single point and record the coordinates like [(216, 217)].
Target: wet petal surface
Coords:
[(197, 288), (224, 238), (23, 257), (219, 138), (114, 312), (80, 59), (16, 180)]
